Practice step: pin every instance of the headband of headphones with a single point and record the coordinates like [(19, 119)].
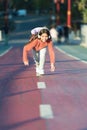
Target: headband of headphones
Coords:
[(39, 35)]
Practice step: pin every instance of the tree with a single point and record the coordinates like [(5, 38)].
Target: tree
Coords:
[(82, 5)]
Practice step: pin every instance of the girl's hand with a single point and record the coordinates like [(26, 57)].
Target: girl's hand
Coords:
[(52, 67), (26, 63)]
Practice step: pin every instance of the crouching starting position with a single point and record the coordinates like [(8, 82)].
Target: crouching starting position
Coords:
[(39, 46)]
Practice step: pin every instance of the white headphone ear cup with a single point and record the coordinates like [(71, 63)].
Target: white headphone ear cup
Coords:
[(38, 36), (49, 37)]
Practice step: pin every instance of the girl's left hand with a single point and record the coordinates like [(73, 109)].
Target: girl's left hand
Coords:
[(26, 63), (52, 68)]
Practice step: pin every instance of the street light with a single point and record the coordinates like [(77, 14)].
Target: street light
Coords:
[(57, 5), (69, 14), (62, 1)]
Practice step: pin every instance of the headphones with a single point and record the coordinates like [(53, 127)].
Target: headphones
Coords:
[(49, 36), (39, 36)]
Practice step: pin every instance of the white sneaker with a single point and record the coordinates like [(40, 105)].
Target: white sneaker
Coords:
[(39, 72)]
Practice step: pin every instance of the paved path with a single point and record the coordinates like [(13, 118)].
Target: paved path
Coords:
[(54, 101)]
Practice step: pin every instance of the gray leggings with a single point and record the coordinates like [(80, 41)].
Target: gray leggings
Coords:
[(39, 57)]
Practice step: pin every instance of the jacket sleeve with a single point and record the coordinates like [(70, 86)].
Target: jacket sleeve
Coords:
[(27, 48)]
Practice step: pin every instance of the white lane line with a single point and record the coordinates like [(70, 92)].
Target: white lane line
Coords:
[(6, 51), (71, 55), (46, 111), (41, 85)]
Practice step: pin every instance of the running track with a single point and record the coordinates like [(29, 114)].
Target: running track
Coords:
[(55, 101)]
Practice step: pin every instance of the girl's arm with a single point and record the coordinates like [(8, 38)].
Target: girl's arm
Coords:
[(26, 49), (52, 55)]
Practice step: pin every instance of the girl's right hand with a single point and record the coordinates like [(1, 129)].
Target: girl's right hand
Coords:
[(52, 68), (26, 63)]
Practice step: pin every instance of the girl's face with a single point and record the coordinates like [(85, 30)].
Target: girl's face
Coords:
[(44, 37)]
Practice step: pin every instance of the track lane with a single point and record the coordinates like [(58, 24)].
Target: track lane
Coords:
[(65, 93)]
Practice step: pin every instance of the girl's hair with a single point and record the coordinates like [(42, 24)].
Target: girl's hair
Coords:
[(45, 30)]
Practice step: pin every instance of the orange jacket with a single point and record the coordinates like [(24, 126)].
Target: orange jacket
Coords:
[(37, 44)]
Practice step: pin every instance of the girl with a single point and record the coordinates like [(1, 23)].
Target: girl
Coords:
[(39, 45)]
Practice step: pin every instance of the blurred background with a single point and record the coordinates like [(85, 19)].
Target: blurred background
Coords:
[(70, 13)]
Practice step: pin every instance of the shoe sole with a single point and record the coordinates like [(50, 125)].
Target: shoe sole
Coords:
[(37, 74)]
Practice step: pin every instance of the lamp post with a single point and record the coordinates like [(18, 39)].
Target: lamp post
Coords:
[(57, 6), (69, 14)]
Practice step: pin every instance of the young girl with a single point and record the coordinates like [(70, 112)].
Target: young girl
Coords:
[(39, 45)]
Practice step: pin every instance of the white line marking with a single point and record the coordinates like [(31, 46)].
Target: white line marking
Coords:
[(71, 55), (46, 111), (41, 85), (6, 51)]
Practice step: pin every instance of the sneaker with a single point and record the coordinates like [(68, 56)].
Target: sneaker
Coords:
[(39, 72)]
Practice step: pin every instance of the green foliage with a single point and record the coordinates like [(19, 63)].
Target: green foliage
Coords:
[(30, 4), (82, 7), (22, 4)]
